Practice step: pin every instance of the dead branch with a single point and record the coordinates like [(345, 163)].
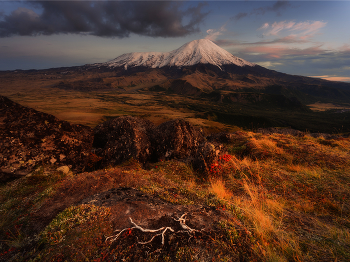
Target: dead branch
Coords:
[(182, 221), (163, 230)]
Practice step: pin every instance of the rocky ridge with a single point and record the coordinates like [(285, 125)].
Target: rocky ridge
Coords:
[(29, 138)]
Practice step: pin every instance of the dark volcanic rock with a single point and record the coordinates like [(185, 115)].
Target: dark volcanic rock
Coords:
[(206, 155), (123, 138), (176, 139), (29, 138)]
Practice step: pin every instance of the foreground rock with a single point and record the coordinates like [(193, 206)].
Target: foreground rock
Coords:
[(29, 138), (208, 155), (123, 138), (176, 139)]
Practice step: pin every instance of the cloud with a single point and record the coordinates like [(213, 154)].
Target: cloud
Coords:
[(270, 64), (308, 27), (214, 33), (334, 78), (239, 16), (227, 42), (277, 7), (105, 19), (279, 51), (291, 39), (264, 26)]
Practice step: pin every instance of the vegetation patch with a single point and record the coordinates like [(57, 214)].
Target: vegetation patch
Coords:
[(279, 198)]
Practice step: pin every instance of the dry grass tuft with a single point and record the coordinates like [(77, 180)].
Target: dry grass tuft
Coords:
[(217, 187)]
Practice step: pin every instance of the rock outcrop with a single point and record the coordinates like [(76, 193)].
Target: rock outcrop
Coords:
[(176, 139), (123, 138), (29, 138), (207, 154)]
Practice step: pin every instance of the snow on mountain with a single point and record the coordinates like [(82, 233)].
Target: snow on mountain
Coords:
[(201, 51)]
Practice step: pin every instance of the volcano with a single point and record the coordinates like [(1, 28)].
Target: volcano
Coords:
[(202, 67), (202, 51)]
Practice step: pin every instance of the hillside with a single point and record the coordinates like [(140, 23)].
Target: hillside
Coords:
[(183, 195)]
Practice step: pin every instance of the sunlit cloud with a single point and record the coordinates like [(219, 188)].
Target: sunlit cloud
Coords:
[(334, 78), (308, 27), (269, 64), (214, 33), (279, 51), (264, 26)]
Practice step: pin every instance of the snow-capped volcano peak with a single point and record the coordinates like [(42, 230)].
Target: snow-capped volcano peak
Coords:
[(202, 51)]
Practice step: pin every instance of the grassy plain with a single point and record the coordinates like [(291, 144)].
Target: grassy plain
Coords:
[(327, 106), (39, 91)]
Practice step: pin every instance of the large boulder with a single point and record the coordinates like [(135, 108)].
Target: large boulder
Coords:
[(29, 138), (123, 138), (176, 139)]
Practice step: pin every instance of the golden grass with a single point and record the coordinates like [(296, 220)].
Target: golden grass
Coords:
[(292, 211), (217, 187)]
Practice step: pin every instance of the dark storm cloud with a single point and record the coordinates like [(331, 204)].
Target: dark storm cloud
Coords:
[(276, 7), (239, 16), (104, 18)]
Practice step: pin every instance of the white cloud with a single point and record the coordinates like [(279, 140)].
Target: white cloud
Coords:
[(308, 27), (264, 26), (214, 33)]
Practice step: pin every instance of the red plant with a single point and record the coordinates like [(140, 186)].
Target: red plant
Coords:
[(216, 166)]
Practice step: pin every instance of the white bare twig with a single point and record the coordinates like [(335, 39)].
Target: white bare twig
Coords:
[(116, 236), (181, 220), (162, 234), (152, 231)]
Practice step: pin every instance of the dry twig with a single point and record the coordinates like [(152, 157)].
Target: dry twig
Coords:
[(163, 230)]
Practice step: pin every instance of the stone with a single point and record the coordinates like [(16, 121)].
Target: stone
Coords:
[(64, 169), (123, 138), (206, 155), (176, 139)]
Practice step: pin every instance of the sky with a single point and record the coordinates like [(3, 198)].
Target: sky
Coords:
[(309, 38)]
